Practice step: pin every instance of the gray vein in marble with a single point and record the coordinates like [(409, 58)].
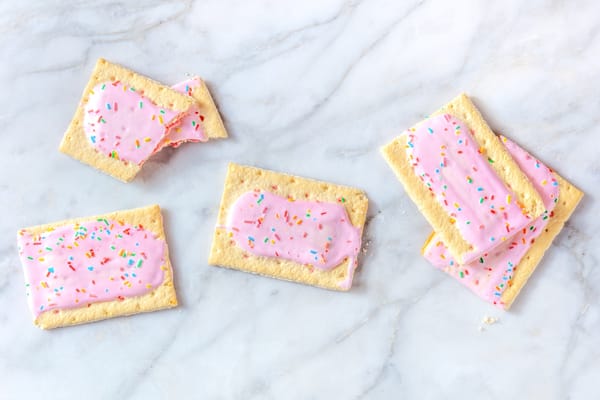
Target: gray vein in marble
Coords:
[(283, 43), (317, 106)]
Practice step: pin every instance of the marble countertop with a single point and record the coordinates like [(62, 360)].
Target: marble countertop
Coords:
[(313, 89)]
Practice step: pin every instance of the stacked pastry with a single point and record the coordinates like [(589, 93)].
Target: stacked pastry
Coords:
[(494, 208)]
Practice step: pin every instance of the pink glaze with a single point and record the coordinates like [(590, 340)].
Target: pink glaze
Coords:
[(76, 265), (447, 158), (190, 127), (306, 232), (489, 276), (123, 124)]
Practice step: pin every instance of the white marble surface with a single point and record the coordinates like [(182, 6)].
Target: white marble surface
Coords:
[(311, 88)]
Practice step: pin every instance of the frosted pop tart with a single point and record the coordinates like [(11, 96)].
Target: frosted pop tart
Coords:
[(121, 120), (124, 118), (499, 276), (463, 180), (289, 227), (93, 268)]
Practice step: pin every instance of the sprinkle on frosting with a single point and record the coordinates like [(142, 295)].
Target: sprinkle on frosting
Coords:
[(79, 264)]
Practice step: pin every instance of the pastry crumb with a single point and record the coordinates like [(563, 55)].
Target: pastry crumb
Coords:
[(365, 247), (486, 321)]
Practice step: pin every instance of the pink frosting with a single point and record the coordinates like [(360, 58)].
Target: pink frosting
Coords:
[(307, 232), (123, 124), (490, 275), (79, 264), (447, 158), (190, 127)]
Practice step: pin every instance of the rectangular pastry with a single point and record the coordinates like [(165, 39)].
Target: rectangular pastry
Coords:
[(499, 276), (88, 269), (289, 227), (463, 180)]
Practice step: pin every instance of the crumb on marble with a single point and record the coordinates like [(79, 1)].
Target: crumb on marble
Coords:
[(489, 320), (486, 321), (366, 245)]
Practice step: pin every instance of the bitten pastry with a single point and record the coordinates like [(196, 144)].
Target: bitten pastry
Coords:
[(289, 227), (124, 118), (93, 268), (499, 276), (121, 120), (463, 180)]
